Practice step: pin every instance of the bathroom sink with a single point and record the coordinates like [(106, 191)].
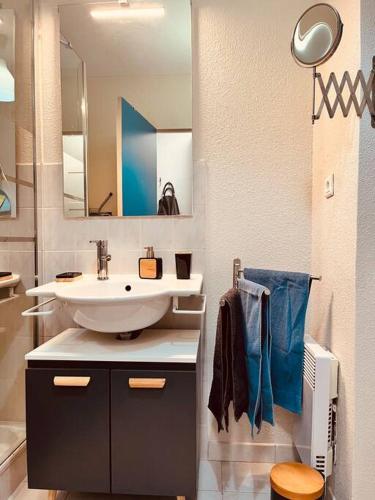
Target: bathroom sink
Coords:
[(124, 303), (108, 306)]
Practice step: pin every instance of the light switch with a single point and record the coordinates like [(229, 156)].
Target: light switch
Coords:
[(329, 186)]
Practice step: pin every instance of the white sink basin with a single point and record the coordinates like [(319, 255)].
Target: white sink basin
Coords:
[(107, 306), (124, 303)]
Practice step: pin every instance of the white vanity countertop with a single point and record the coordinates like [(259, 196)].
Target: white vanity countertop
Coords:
[(152, 346), (175, 287)]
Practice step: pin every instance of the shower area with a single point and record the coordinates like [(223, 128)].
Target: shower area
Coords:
[(17, 217)]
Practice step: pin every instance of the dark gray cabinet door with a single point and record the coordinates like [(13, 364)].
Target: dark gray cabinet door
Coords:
[(68, 433), (153, 433)]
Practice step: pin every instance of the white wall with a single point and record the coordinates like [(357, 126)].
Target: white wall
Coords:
[(164, 100), (174, 164), (343, 251), (253, 123), (364, 451), (334, 246)]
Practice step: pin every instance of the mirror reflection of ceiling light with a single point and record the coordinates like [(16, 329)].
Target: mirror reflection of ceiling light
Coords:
[(6, 83), (125, 10)]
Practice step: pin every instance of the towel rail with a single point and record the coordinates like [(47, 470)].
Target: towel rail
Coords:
[(33, 311), (238, 272)]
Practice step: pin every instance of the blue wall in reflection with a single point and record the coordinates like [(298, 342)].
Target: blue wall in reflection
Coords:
[(139, 163)]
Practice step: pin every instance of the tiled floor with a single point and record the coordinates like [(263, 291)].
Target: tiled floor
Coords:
[(217, 481)]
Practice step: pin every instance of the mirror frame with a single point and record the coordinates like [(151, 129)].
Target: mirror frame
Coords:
[(340, 29), (193, 174)]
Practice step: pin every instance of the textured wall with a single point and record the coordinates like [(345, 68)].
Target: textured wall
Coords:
[(334, 242), (258, 152), (254, 130), (364, 451)]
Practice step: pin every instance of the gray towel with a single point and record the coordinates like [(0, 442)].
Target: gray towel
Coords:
[(229, 377)]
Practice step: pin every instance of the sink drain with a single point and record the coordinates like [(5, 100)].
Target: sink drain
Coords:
[(129, 335)]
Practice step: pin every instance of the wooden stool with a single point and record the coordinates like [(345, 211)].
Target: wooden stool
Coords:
[(295, 481)]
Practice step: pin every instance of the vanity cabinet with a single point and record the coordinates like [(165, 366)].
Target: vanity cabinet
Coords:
[(112, 427), (68, 429), (153, 418)]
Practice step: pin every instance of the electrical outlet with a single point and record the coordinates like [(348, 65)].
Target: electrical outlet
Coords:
[(329, 186)]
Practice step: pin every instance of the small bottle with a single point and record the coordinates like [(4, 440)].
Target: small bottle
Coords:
[(150, 267)]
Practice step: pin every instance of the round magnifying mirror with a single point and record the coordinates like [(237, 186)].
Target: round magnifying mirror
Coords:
[(317, 35)]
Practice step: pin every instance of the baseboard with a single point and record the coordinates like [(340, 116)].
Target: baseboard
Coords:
[(251, 452)]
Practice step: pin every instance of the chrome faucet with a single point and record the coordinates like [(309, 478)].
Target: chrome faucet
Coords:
[(102, 258)]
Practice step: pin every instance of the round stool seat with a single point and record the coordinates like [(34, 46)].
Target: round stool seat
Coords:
[(296, 481)]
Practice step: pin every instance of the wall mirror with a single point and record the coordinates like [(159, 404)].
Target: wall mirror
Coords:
[(126, 87), (8, 169), (317, 35)]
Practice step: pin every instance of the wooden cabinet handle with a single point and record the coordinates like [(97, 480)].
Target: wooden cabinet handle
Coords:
[(71, 381), (147, 383)]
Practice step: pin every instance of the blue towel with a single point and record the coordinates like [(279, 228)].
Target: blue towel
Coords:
[(255, 304), (289, 298)]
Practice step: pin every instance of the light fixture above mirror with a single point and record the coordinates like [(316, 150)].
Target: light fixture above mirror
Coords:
[(127, 10)]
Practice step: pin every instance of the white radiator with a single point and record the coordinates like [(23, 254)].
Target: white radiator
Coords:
[(314, 431)]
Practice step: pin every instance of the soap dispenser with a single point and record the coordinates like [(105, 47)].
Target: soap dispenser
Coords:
[(150, 267)]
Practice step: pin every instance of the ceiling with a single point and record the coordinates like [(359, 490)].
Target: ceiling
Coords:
[(124, 47)]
